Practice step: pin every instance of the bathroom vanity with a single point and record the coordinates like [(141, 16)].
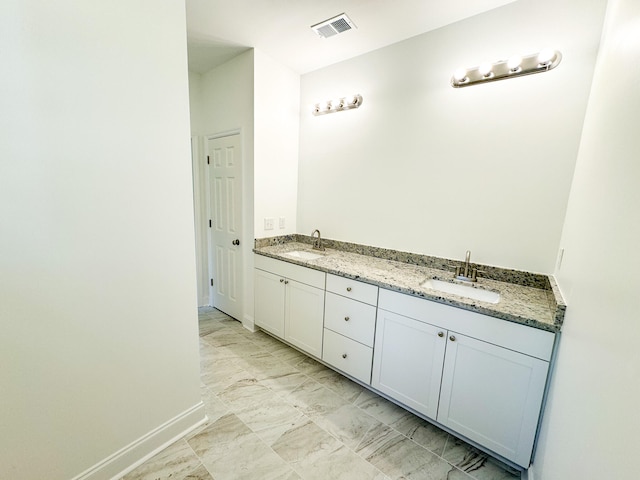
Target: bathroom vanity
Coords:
[(478, 369)]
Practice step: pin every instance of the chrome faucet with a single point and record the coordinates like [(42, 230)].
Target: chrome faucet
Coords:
[(317, 243), (465, 272)]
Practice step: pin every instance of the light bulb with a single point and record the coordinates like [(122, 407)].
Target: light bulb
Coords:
[(514, 63), (485, 69), (546, 56), (460, 74)]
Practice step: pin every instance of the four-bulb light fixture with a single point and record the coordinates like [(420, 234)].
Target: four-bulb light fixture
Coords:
[(337, 105), (515, 66)]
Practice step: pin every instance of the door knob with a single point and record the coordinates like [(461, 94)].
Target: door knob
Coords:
[(235, 242)]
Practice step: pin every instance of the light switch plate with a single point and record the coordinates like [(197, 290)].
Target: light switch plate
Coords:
[(268, 223), (281, 223)]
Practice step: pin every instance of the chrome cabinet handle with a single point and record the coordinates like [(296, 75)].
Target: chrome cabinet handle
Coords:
[(286, 281), (452, 338), (235, 242), (348, 289), (346, 319), (281, 280), (441, 334), (344, 355)]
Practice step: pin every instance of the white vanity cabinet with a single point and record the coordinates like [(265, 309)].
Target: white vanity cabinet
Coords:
[(289, 302), (409, 355), (480, 376), (349, 326)]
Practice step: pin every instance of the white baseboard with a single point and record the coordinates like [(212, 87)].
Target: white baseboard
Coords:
[(139, 451)]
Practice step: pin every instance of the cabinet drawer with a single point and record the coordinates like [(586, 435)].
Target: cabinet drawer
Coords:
[(347, 355), (363, 292), (305, 275), (350, 318), (520, 338)]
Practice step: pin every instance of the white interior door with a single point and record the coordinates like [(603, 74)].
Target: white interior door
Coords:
[(225, 197)]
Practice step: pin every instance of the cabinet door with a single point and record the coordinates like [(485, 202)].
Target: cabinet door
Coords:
[(304, 311), (407, 361), (492, 395), (269, 302)]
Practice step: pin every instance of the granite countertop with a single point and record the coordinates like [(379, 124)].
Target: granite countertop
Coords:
[(537, 307)]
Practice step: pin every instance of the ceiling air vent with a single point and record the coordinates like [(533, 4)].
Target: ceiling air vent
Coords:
[(333, 26)]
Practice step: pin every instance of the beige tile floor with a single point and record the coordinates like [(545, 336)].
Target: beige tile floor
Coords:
[(275, 413)]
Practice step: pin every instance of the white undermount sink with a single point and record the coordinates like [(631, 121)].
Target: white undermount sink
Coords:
[(467, 291), (304, 255)]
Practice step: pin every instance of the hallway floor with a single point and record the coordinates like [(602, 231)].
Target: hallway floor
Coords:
[(275, 413)]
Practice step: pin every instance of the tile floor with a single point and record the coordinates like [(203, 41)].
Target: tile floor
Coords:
[(275, 413)]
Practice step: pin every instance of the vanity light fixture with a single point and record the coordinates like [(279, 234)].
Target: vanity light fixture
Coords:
[(516, 66), (337, 105)]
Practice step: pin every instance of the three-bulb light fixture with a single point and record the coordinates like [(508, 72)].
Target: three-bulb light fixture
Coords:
[(515, 66), (337, 105)]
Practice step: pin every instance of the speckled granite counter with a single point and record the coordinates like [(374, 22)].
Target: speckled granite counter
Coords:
[(529, 299)]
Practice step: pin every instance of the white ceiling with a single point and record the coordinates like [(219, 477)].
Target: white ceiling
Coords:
[(218, 30)]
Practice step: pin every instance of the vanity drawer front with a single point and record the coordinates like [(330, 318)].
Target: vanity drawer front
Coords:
[(347, 355), (363, 292), (350, 318), (305, 275)]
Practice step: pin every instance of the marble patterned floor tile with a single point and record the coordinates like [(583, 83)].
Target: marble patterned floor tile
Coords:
[(175, 461), (244, 349), (213, 406), (382, 409), (246, 458), (347, 389), (273, 432), (310, 366), (313, 398), (245, 393), (340, 464), (305, 441), (223, 374), (476, 463), (263, 339), (281, 378), (257, 361), (400, 458), (199, 473), (422, 432), (228, 429), (348, 423), (287, 354), (272, 413), (226, 337)]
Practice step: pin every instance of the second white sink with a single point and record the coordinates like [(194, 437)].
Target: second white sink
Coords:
[(467, 291), (304, 255)]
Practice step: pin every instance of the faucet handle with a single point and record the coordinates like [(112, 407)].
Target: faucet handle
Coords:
[(476, 272)]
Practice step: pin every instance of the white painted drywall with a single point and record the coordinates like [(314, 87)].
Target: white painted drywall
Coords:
[(99, 342), (427, 168), (591, 424), (226, 103), (277, 116)]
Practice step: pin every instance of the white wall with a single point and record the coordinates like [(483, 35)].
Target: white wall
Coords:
[(99, 342), (591, 424), (427, 168), (277, 115), (225, 98)]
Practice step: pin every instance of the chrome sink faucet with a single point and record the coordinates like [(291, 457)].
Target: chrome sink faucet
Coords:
[(317, 242), (465, 272)]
